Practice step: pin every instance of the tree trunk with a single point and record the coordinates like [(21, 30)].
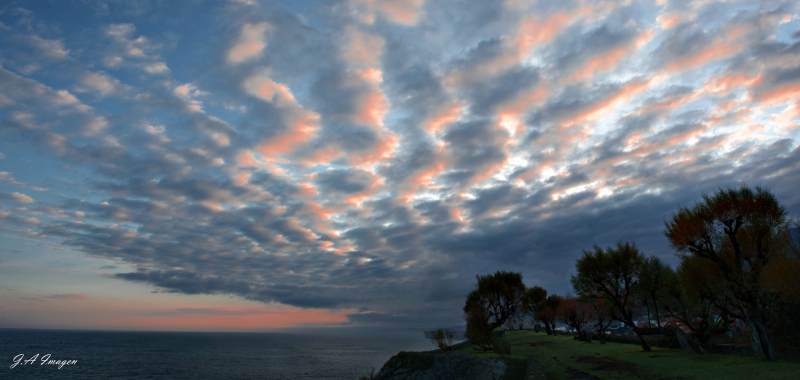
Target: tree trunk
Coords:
[(658, 317), (759, 339), (645, 346), (602, 333)]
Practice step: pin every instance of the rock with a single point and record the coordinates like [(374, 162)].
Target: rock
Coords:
[(442, 366)]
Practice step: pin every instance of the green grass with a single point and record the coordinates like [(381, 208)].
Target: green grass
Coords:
[(565, 358)]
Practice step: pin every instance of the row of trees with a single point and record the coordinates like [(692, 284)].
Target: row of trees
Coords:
[(738, 261)]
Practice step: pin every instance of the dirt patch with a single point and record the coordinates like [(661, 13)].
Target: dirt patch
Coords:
[(575, 374), (539, 344), (603, 363)]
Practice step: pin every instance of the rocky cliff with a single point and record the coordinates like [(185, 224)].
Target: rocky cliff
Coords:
[(440, 366)]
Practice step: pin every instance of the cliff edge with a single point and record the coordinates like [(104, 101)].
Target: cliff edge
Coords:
[(454, 365)]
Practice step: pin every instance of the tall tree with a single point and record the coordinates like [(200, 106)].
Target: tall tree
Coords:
[(497, 299), (738, 230), (613, 275)]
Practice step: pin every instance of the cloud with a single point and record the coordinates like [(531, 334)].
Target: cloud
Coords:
[(377, 155), (128, 50), (51, 48), (100, 83), (209, 311), (250, 44), (21, 198), (406, 12), (67, 297)]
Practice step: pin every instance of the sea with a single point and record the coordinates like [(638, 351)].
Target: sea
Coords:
[(200, 355)]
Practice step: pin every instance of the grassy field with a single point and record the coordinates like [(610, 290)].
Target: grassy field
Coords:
[(565, 358)]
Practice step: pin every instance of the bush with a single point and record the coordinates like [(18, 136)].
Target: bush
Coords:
[(500, 346), (785, 330), (442, 338), (652, 340), (369, 376)]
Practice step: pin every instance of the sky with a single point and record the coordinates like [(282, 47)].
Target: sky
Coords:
[(250, 165)]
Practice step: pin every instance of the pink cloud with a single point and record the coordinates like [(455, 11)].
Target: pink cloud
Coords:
[(375, 185), (301, 129), (317, 211), (381, 151), (442, 117), (423, 179), (250, 44), (608, 60), (534, 31), (302, 125), (488, 171), (668, 20), (21, 198), (725, 83), (246, 158), (361, 48), (405, 12), (372, 109), (531, 32), (599, 109), (265, 89), (714, 52), (785, 93), (322, 155), (514, 108), (668, 104), (307, 234)]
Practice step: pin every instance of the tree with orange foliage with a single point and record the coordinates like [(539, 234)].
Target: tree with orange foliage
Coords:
[(574, 312), (602, 314), (738, 230)]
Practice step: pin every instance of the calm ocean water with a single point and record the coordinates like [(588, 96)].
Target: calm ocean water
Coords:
[(197, 356)]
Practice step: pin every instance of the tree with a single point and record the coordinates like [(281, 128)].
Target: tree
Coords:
[(602, 314), (532, 297), (782, 278), (547, 312), (497, 299), (695, 296), (479, 332), (499, 295), (613, 275), (738, 230), (652, 277), (574, 313)]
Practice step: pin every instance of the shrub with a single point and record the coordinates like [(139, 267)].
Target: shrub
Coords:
[(442, 338)]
